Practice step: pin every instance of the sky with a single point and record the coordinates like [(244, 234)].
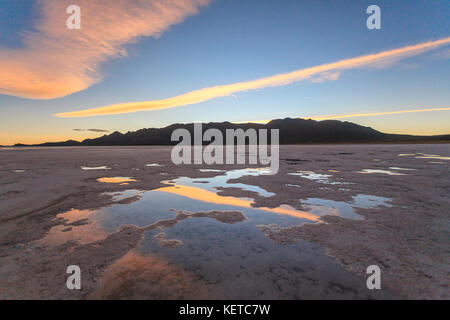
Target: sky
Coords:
[(150, 63)]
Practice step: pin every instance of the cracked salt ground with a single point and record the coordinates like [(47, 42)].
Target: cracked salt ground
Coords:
[(406, 239), (215, 242)]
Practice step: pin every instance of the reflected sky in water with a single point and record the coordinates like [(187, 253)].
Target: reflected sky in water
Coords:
[(322, 207), (122, 180), (228, 259), (388, 172)]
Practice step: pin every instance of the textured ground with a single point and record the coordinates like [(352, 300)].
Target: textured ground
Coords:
[(409, 241)]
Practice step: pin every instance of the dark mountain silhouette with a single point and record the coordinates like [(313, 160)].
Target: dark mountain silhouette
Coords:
[(292, 131)]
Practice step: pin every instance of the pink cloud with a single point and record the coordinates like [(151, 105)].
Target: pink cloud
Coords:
[(57, 61)]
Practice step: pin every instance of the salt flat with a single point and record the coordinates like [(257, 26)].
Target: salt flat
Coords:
[(308, 232)]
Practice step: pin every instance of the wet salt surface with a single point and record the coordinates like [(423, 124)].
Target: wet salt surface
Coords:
[(95, 168), (236, 258), (154, 165), (222, 180), (398, 168), (433, 157), (424, 156), (388, 172), (318, 177), (323, 207), (211, 170)]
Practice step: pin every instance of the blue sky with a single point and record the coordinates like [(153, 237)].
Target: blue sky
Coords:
[(231, 41)]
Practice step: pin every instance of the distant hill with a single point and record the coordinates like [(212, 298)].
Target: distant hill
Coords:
[(292, 131)]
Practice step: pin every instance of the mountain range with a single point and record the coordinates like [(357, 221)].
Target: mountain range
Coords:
[(292, 131)]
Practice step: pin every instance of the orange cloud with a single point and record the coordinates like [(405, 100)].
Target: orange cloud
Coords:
[(329, 70), (57, 61)]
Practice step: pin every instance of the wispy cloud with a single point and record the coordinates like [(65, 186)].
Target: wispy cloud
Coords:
[(372, 114), (57, 61), (322, 71), (357, 115), (91, 130), (326, 76)]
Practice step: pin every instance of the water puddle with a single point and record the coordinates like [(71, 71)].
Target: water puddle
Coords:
[(388, 172), (223, 181), (120, 180), (398, 168), (292, 185), (317, 177), (154, 165), (343, 209), (209, 239), (119, 196), (95, 168), (201, 195), (78, 226), (437, 157), (424, 156)]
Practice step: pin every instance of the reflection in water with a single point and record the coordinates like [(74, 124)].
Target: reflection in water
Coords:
[(200, 194), (388, 172), (223, 181), (144, 209), (310, 175), (323, 207), (154, 165), (95, 168), (317, 177), (78, 225), (398, 168), (211, 170), (433, 157), (121, 180), (424, 156), (124, 195), (137, 276), (197, 242)]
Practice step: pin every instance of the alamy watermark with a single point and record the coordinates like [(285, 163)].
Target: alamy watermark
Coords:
[(74, 280), (220, 151), (73, 22), (374, 280), (374, 20)]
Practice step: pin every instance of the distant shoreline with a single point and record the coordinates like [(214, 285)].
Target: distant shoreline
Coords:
[(291, 132), (288, 144)]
